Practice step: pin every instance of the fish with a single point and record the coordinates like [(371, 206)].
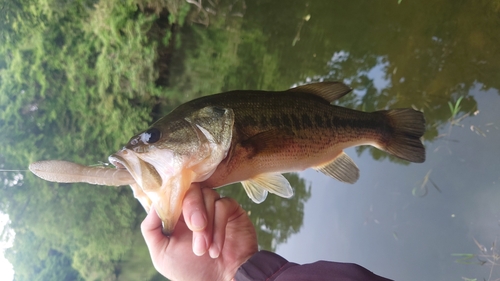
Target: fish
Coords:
[(253, 137)]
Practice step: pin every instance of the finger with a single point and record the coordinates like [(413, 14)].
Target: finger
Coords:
[(151, 230), (225, 208), (203, 239), (198, 212), (193, 209), (195, 216), (210, 196)]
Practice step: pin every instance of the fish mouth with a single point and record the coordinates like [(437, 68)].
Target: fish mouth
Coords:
[(160, 182), (143, 173)]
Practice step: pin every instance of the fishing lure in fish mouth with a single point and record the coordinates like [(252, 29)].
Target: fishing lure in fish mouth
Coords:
[(250, 137)]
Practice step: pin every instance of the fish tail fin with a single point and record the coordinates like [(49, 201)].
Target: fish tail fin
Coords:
[(407, 127)]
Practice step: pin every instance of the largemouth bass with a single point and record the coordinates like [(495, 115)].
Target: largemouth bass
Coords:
[(253, 137)]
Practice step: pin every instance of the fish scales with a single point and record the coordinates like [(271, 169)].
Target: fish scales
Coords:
[(303, 127), (274, 112)]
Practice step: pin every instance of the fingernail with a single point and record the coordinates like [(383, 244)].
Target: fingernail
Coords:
[(214, 251), (198, 221), (199, 246)]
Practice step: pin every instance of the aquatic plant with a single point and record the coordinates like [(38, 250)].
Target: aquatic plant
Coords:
[(489, 257), (455, 108)]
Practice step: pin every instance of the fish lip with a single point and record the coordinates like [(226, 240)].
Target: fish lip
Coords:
[(117, 161), (121, 162), (126, 159)]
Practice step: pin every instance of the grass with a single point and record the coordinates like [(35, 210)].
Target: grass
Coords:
[(455, 108)]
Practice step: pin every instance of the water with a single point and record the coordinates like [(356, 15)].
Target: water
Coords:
[(405, 222), (402, 221)]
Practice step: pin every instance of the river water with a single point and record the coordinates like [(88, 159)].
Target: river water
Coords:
[(433, 221)]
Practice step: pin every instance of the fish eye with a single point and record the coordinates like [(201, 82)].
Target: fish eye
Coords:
[(151, 136)]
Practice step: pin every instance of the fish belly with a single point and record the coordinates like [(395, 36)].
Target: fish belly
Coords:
[(286, 153)]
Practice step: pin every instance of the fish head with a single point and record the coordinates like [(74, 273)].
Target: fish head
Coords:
[(174, 152)]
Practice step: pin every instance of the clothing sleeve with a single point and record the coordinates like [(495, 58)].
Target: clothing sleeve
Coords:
[(267, 266)]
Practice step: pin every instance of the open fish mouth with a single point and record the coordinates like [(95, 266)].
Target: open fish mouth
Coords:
[(158, 182), (164, 162), (145, 174)]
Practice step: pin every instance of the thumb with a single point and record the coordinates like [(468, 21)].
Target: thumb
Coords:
[(151, 229)]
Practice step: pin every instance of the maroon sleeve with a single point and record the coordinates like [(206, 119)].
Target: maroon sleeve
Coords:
[(267, 266)]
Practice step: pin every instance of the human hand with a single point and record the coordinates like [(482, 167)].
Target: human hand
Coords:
[(211, 240)]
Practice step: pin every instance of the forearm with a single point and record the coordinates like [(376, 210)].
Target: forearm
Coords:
[(272, 267)]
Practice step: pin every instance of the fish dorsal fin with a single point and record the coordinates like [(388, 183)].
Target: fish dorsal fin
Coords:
[(341, 168), (258, 187), (329, 91)]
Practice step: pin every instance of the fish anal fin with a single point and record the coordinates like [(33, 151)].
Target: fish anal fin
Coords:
[(341, 168), (258, 187), (329, 91)]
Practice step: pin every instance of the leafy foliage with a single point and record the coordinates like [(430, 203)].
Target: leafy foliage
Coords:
[(71, 74)]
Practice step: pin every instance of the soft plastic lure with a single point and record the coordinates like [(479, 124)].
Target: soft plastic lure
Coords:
[(69, 172)]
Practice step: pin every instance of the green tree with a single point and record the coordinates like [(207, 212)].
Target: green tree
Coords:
[(58, 100)]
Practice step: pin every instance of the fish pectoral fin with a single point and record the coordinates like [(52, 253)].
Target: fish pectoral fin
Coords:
[(256, 193), (258, 187), (329, 91), (341, 168)]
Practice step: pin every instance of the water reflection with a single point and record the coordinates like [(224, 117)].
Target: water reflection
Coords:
[(276, 219)]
